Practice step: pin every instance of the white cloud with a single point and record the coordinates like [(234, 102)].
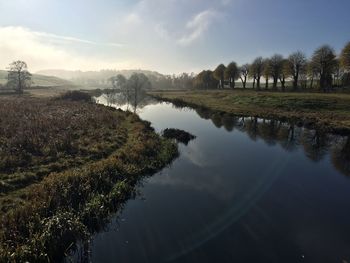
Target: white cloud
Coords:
[(180, 22), (49, 36), (152, 32), (197, 26), (132, 19), (43, 50), (161, 31)]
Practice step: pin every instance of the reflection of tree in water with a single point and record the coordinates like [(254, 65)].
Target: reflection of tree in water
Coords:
[(115, 98), (216, 119), (225, 120), (341, 156), (316, 144), (119, 99), (134, 90), (251, 128), (137, 101), (229, 122), (130, 92), (288, 137), (111, 97), (204, 113), (268, 130)]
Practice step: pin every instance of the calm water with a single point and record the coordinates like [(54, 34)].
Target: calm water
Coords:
[(245, 190)]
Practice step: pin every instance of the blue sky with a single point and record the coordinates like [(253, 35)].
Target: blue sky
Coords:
[(169, 36)]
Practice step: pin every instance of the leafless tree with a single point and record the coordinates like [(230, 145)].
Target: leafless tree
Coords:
[(257, 70), (267, 72), (276, 66), (219, 74), (295, 66), (231, 73), (324, 62), (19, 77), (244, 72), (345, 58)]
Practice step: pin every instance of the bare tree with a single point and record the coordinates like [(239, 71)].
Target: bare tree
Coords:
[(295, 66), (283, 75), (311, 74), (276, 66), (231, 73), (303, 77), (118, 81), (205, 80), (219, 74), (324, 61), (345, 58), (136, 86), (338, 73), (267, 71), (244, 72), (257, 70), (19, 77), (118, 85), (252, 74), (345, 65)]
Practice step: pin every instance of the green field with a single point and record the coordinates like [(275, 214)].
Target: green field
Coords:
[(328, 111)]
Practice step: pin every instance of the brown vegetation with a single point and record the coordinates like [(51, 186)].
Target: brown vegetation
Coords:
[(65, 166)]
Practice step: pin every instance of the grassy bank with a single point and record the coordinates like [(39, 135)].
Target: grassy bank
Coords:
[(326, 111), (65, 166)]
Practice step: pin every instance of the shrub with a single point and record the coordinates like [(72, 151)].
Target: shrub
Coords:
[(76, 95), (179, 135)]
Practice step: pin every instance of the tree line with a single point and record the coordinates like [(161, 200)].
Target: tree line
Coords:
[(180, 81), (324, 70)]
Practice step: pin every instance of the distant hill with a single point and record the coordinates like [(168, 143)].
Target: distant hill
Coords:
[(102, 74), (41, 80), (95, 79)]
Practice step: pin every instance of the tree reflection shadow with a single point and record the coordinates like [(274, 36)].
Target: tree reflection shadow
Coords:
[(341, 156), (316, 144), (134, 104)]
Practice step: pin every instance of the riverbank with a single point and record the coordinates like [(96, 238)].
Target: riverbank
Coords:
[(330, 112), (65, 167)]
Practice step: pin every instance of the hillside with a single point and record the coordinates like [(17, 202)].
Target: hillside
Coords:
[(41, 80), (96, 79), (97, 75)]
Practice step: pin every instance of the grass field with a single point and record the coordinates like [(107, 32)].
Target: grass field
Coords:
[(329, 111), (64, 167)]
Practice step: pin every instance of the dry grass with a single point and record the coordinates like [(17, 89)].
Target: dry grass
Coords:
[(65, 166), (43, 136)]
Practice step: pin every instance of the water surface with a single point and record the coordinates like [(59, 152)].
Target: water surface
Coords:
[(245, 190)]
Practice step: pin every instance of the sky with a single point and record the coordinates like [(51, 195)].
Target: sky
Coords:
[(168, 36)]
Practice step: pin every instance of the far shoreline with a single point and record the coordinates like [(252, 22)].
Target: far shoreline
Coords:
[(329, 112)]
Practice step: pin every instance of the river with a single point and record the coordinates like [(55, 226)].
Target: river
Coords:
[(245, 190)]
